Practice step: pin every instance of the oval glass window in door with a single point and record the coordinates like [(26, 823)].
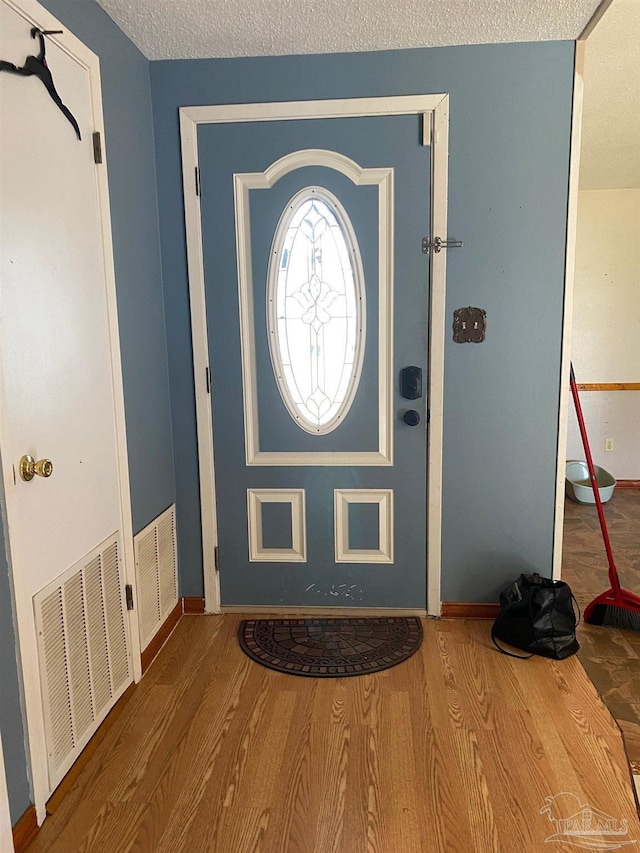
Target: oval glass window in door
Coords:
[(316, 310)]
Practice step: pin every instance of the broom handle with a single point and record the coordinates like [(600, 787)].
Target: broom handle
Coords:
[(613, 574)]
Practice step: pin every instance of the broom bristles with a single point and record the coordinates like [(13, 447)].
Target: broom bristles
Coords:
[(614, 616)]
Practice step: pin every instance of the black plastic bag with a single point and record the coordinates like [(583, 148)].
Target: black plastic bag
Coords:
[(537, 616)]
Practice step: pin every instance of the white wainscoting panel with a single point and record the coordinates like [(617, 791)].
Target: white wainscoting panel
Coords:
[(298, 551), (156, 558), (384, 499)]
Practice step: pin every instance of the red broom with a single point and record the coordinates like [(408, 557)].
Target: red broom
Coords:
[(616, 607)]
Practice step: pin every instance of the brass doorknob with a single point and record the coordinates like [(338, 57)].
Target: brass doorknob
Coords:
[(29, 468)]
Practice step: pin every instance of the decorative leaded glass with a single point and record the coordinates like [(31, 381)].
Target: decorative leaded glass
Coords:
[(316, 310)]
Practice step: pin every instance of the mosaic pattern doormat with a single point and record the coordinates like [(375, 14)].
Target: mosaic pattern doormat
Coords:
[(330, 648)]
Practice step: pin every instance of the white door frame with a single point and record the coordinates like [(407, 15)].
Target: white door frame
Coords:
[(569, 277), (435, 112), (38, 16)]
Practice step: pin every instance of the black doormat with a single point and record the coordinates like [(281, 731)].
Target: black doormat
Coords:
[(330, 648)]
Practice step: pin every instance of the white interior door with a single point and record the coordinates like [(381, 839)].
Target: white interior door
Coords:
[(60, 397)]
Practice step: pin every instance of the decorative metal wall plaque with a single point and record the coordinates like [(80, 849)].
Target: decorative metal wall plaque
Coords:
[(469, 325)]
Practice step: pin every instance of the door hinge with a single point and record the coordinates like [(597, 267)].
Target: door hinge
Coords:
[(197, 180), (128, 591), (437, 244), (207, 379), (97, 147), (216, 559)]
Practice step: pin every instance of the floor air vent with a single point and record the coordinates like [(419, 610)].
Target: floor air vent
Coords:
[(156, 573), (83, 652)]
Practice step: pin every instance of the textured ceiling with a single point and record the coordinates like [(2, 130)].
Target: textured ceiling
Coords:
[(610, 155), (190, 29)]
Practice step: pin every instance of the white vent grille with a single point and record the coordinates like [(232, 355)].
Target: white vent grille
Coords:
[(156, 573), (84, 656)]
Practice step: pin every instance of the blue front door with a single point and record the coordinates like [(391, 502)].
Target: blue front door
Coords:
[(317, 297)]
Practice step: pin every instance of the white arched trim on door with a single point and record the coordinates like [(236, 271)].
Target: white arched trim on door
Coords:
[(383, 180)]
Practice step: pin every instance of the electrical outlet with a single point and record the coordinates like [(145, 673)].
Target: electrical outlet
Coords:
[(608, 444)]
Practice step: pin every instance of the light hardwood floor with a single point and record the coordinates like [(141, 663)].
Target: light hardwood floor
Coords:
[(456, 750)]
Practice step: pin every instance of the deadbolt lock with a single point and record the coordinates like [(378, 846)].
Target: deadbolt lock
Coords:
[(29, 468)]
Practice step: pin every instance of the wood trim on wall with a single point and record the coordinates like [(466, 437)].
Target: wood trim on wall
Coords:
[(469, 610), (609, 386), (25, 830), (628, 484), (307, 612), (161, 637), (192, 604)]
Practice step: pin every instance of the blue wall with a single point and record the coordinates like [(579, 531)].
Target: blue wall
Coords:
[(509, 156), (11, 728), (134, 211)]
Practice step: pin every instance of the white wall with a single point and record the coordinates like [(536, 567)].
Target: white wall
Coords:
[(606, 327)]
